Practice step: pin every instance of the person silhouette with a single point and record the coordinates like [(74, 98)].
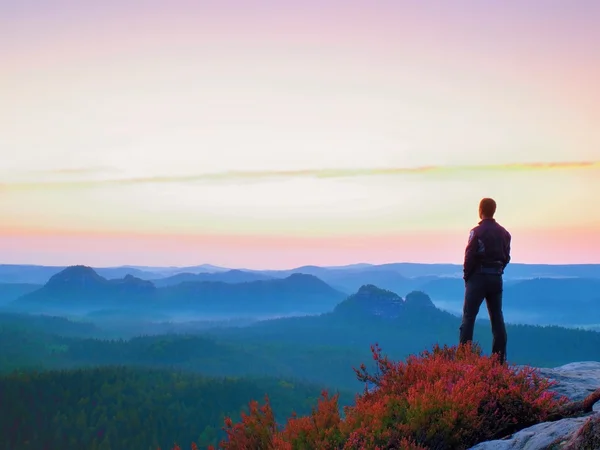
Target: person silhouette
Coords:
[(486, 256)]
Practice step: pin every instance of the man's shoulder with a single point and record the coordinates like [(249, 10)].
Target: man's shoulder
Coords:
[(473, 232), (503, 230)]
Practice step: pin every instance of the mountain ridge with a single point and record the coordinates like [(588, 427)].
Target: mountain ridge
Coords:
[(230, 276), (39, 274), (81, 286)]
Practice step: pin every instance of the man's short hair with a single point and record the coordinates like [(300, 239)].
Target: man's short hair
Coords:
[(487, 207)]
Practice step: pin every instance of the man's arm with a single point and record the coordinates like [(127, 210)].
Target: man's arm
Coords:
[(507, 243), (470, 252)]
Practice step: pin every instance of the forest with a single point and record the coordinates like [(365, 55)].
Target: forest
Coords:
[(116, 407)]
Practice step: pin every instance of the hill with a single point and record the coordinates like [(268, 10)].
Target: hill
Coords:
[(371, 301), (515, 270), (549, 301), (351, 281), (32, 274), (298, 293), (573, 301), (79, 289), (411, 325), (230, 276), (367, 273)]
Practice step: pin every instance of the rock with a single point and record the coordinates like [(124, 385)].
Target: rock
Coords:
[(588, 436), (538, 437), (418, 300), (373, 301), (576, 381)]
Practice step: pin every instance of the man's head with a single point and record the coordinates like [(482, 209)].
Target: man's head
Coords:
[(487, 208)]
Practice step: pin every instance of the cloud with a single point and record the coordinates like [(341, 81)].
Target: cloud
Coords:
[(82, 170), (239, 176), (73, 171)]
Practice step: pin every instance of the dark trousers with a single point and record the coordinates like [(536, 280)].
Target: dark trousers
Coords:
[(478, 287)]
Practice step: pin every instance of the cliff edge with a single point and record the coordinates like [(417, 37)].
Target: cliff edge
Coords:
[(576, 381)]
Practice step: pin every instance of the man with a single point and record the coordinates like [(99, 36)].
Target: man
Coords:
[(486, 256)]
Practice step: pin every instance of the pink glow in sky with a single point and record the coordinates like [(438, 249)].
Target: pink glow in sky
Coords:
[(274, 134)]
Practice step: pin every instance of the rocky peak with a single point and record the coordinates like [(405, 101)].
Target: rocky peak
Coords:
[(370, 299), (419, 300), (133, 283), (76, 276), (306, 282), (372, 292)]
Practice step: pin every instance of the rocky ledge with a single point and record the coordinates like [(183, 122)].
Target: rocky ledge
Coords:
[(576, 381)]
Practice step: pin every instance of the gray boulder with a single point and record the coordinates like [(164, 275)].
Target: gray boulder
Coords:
[(538, 437), (576, 381)]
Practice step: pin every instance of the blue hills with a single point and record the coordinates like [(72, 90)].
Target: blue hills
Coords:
[(78, 288)]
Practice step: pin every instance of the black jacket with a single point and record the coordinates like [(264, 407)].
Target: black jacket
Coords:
[(488, 249)]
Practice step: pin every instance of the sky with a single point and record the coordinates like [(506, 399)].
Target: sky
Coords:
[(272, 134)]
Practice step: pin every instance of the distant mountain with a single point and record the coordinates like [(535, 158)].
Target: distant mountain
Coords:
[(370, 300), (11, 291), (420, 303), (230, 276), (350, 281), (170, 271), (573, 301), (298, 293), (82, 289), (373, 301), (446, 289), (374, 315), (210, 268), (552, 301), (30, 274), (121, 272), (515, 271)]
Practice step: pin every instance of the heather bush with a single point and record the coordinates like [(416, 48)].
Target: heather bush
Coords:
[(449, 397)]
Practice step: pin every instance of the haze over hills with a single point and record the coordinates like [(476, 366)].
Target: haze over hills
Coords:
[(414, 270), (81, 289), (401, 326), (32, 274), (528, 300), (549, 301), (407, 325), (41, 274), (229, 276), (11, 291)]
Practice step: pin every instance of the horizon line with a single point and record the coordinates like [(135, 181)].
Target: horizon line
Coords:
[(337, 266)]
